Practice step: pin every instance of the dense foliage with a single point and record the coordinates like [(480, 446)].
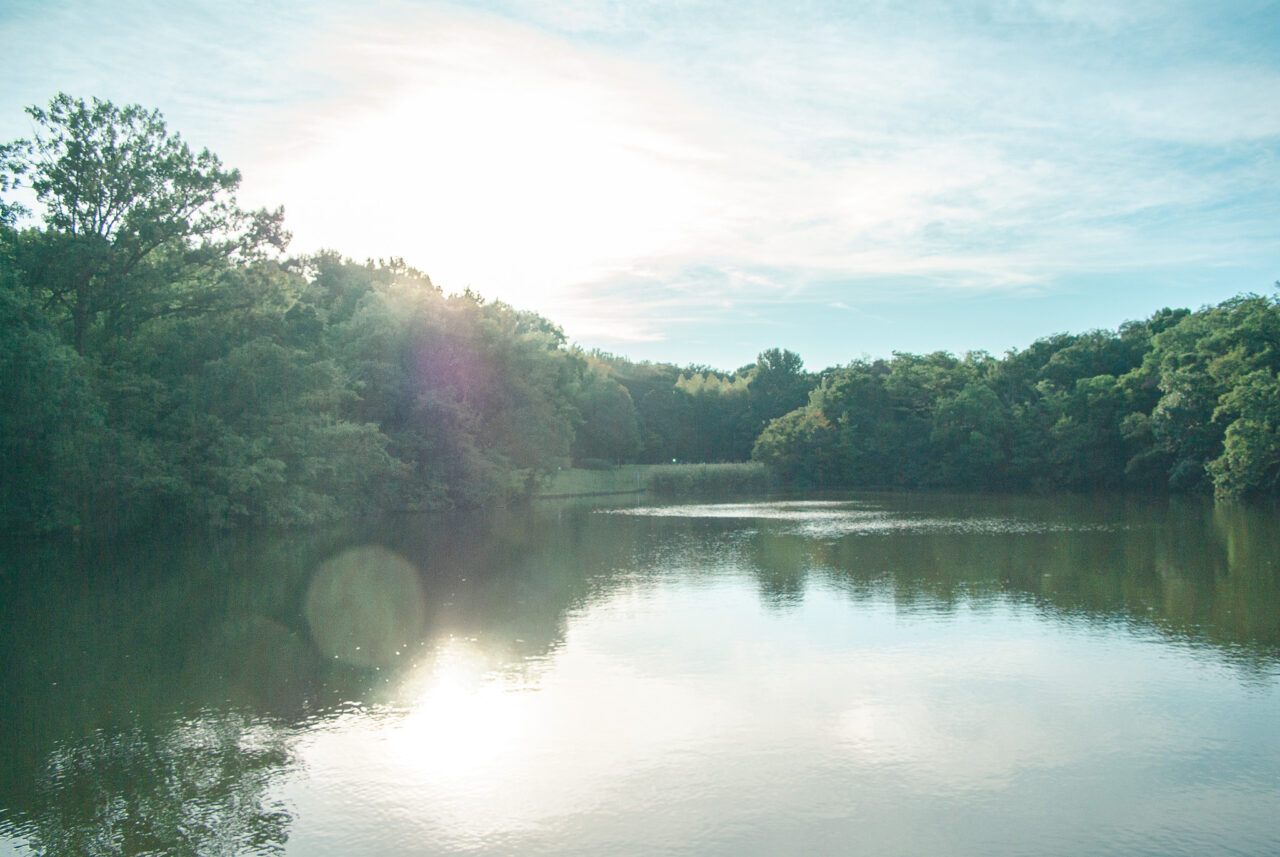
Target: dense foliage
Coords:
[(699, 414), (161, 358), (1182, 401)]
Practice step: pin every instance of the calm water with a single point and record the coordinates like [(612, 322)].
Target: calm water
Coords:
[(878, 675)]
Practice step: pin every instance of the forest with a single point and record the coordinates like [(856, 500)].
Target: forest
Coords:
[(163, 358)]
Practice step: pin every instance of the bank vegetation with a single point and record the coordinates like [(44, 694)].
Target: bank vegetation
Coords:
[(163, 359)]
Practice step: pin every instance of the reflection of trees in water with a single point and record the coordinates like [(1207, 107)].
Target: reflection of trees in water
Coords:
[(111, 652), (504, 581), (781, 568), (1203, 574), (201, 788), (101, 645)]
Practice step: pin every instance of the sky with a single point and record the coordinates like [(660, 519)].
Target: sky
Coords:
[(695, 182)]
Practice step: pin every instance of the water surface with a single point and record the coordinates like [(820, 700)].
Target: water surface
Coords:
[(880, 674)]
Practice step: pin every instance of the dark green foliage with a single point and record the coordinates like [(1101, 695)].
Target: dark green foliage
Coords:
[(48, 421), (133, 218), (159, 361), (778, 384), (1250, 460), (703, 415), (476, 397), (607, 430), (1215, 421), (156, 363), (1183, 401)]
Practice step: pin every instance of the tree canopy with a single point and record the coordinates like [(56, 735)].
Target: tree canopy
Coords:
[(1184, 401), (131, 215), (161, 358)]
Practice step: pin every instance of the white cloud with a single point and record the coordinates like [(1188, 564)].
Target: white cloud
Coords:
[(623, 167), (1215, 106), (497, 156)]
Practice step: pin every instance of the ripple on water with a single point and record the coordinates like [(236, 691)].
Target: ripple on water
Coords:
[(829, 519)]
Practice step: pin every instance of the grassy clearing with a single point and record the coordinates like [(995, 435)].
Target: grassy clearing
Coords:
[(663, 479), (627, 477)]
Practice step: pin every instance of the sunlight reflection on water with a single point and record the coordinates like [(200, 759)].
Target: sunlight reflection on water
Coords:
[(830, 519), (986, 678), (685, 720)]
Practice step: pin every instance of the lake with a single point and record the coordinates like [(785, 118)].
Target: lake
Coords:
[(879, 674)]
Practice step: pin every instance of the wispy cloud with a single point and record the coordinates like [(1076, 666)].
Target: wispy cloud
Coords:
[(625, 168)]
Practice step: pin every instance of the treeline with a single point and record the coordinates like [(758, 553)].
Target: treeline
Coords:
[(1184, 401), (694, 413), (161, 358)]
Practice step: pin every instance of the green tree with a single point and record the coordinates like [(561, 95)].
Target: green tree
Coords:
[(800, 448), (716, 414), (133, 217), (1250, 460), (607, 429), (477, 397), (1205, 367), (970, 437), (778, 385), (49, 418)]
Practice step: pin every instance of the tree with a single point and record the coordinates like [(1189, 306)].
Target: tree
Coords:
[(799, 446), (969, 437), (778, 384), (1199, 364), (1250, 460), (608, 428), (131, 213), (48, 417)]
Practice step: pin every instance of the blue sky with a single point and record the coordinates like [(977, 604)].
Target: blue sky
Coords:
[(699, 181)]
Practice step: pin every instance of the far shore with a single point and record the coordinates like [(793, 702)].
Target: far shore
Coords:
[(663, 479)]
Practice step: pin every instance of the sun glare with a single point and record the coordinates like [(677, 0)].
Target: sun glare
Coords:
[(504, 170), (460, 723)]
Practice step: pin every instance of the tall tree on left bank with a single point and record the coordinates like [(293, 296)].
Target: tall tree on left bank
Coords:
[(137, 225)]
